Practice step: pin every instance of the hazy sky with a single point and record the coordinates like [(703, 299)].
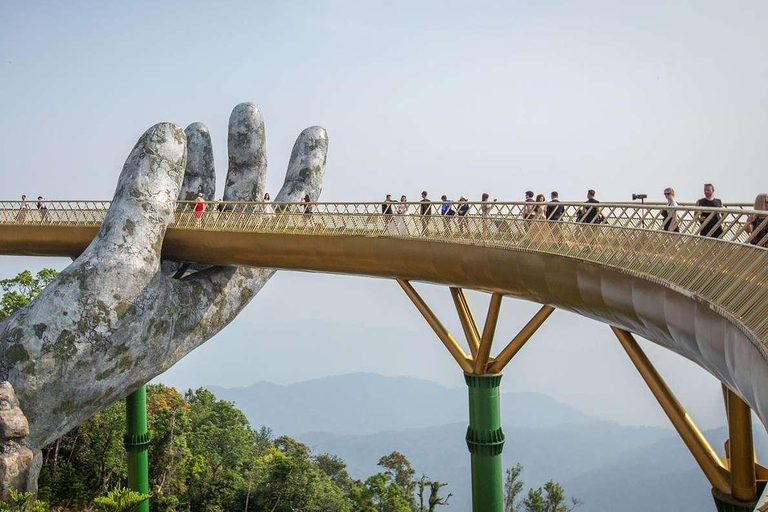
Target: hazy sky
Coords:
[(451, 97)]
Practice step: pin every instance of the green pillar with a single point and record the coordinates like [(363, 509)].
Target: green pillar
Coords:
[(485, 441), (725, 503), (136, 444)]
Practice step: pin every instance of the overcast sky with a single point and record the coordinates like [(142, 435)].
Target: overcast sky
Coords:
[(452, 97)]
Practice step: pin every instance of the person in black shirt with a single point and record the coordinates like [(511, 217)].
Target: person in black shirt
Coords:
[(710, 220), (555, 212), (425, 210), (43, 209), (461, 211), (386, 210), (528, 208), (589, 215)]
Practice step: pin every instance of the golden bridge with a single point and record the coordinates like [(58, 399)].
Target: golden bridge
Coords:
[(704, 298)]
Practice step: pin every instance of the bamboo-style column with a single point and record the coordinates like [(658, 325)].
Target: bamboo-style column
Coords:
[(137, 443)]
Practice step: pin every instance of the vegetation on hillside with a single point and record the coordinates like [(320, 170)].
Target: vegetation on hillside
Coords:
[(548, 498)]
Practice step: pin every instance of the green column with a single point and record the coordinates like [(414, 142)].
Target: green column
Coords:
[(725, 503), (485, 441), (136, 444)]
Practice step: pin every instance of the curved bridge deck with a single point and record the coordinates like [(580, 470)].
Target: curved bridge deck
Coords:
[(705, 298)]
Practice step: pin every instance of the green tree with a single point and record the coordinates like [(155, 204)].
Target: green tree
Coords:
[(119, 500), (513, 486), (287, 479), (434, 500), (548, 498), (385, 495), (23, 502), (221, 440), (335, 469), (399, 467), (20, 290)]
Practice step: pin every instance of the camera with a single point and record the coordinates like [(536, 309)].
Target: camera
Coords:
[(639, 196)]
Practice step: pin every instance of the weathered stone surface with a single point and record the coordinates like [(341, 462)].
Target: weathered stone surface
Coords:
[(8, 398), (200, 174), (247, 173), (13, 424), (17, 463), (112, 321)]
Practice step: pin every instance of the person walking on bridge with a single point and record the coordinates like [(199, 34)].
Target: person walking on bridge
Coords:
[(199, 209), (461, 212), (485, 212), (267, 210), (401, 221), (710, 220), (757, 225), (528, 208), (386, 210), (42, 209), (670, 216), (447, 212), (308, 210), (23, 208), (555, 211), (590, 214), (425, 210)]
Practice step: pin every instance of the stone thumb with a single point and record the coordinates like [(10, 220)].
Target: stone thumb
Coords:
[(133, 230)]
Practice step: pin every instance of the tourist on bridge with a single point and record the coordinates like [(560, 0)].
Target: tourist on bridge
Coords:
[(400, 226), (757, 225), (23, 208), (199, 209), (461, 211), (425, 210), (555, 212), (485, 212), (539, 230), (589, 215), (42, 209), (402, 208), (710, 220), (386, 210), (528, 208), (308, 209), (266, 207), (447, 211), (670, 216)]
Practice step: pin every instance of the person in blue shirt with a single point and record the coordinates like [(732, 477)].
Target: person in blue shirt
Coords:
[(447, 211)]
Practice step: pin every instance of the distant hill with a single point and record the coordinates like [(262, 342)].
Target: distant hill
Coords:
[(362, 416), (562, 452), (365, 403)]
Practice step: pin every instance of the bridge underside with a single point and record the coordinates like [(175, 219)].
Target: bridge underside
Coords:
[(668, 316)]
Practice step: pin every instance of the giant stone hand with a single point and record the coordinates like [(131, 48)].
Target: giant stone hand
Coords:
[(113, 320)]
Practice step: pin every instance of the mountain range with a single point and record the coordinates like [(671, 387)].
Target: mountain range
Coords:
[(361, 417)]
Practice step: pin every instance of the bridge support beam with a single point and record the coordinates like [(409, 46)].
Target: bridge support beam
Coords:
[(485, 441), (482, 373), (741, 457), (708, 460), (137, 443)]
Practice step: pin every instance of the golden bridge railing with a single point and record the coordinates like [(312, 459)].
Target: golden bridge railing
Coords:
[(729, 272)]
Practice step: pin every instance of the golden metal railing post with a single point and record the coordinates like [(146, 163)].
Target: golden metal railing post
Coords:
[(702, 451), (484, 352), (514, 346), (449, 341), (468, 322), (741, 449)]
